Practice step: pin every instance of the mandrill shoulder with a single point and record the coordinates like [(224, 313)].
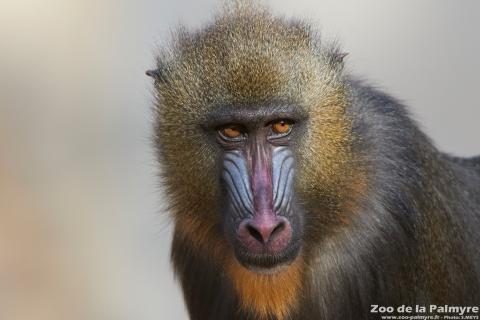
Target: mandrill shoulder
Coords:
[(410, 171), (386, 132)]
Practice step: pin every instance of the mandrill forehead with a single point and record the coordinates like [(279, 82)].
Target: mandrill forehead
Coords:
[(246, 57)]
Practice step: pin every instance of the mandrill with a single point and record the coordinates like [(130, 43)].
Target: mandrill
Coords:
[(297, 191)]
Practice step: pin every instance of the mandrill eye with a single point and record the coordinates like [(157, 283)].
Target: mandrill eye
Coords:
[(281, 127), (231, 132)]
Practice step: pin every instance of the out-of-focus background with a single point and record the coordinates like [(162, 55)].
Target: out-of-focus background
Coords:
[(82, 234)]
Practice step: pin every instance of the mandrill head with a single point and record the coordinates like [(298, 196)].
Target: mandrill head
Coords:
[(255, 148)]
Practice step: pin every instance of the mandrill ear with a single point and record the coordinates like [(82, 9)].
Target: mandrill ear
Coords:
[(339, 56), (157, 74), (152, 73), (337, 60)]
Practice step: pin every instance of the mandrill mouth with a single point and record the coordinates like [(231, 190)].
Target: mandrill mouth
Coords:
[(268, 263)]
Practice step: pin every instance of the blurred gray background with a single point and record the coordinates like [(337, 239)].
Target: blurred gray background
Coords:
[(82, 234)]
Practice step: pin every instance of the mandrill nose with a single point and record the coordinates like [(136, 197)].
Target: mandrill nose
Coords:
[(269, 234), (263, 232)]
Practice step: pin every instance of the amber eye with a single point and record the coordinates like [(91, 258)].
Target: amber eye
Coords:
[(231, 132), (281, 127)]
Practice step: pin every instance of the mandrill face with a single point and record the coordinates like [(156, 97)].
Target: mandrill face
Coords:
[(261, 217)]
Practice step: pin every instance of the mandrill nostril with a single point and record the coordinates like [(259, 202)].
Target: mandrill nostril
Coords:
[(254, 233), (278, 229)]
